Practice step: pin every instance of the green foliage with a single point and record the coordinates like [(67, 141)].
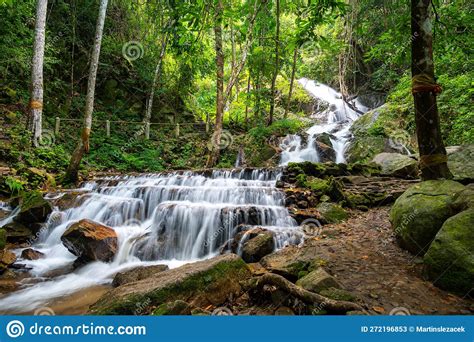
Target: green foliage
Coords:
[(277, 128), (15, 185)]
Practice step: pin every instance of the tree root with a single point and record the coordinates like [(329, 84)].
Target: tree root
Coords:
[(307, 296)]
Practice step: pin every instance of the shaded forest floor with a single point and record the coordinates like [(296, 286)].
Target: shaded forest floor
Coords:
[(363, 255)]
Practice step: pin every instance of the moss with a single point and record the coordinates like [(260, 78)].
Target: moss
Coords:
[(338, 294), (3, 238), (189, 287), (420, 212), (332, 213), (450, 258)]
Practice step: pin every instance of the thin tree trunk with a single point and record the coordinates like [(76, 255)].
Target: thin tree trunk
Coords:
[(247, 102), (277, 60), (216, 137), (292, 80), (36, 97), (155, 80), (433, 159), (83, 143)]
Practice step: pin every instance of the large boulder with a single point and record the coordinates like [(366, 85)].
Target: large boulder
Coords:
[(449, 261), (137, 274), (258, 246), (204, 283), (90, 241), (18, 233), (318, 280), (396, 165), (420, 212), (34, 209), (465, 198), (331, 213), (31, 254), (461, 162)]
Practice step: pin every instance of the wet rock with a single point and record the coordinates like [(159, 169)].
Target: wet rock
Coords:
[(397, 165), (18, 233), (318, 280), (137, 274), (178, 307), (284, 311), (31, 254), (34, 209), (461, 163), (90, 241), (449, 261), (208, 282), (258, 246), (326, 152), (7, 259), (420, 212), (331, 213)]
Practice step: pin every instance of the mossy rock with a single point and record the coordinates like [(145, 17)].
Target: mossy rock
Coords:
[(208, 282), (3, 238), (449, 261), (363, 149), (420, 212), (338, 294), (317, 281), (178, 307), (332, 213), (465, 198), (397, 165), (461, 163), (34, 208)]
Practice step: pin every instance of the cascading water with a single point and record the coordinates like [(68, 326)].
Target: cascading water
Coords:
[(338, 119), (159, 219)]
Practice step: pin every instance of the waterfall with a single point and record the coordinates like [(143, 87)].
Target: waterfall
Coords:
[(338, 119), (168, 219)]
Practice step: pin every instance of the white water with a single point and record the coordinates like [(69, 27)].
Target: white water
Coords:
[(168, 219), (338, 119)]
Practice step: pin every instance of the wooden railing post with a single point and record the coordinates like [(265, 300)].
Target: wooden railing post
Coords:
[(56, 127), (107, 128), (177, 130), (147, 131)]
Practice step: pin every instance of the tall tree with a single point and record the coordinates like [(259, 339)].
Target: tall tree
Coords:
[(83, 143), (216, 137), (36, 97), (433, 159), (277, 64)]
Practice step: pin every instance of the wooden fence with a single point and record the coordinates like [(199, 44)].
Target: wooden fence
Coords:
[(177, 126)]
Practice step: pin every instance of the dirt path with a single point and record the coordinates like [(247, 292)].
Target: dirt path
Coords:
[(363, 255)]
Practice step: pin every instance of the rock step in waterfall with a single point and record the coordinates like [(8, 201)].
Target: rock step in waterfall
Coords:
[(167, 219)]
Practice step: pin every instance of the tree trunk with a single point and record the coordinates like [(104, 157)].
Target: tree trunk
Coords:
[(433, 159), (293, 71), (149, 106), (247, 102), (83, 143), (216, 137), (36, 97), (277, 58)]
